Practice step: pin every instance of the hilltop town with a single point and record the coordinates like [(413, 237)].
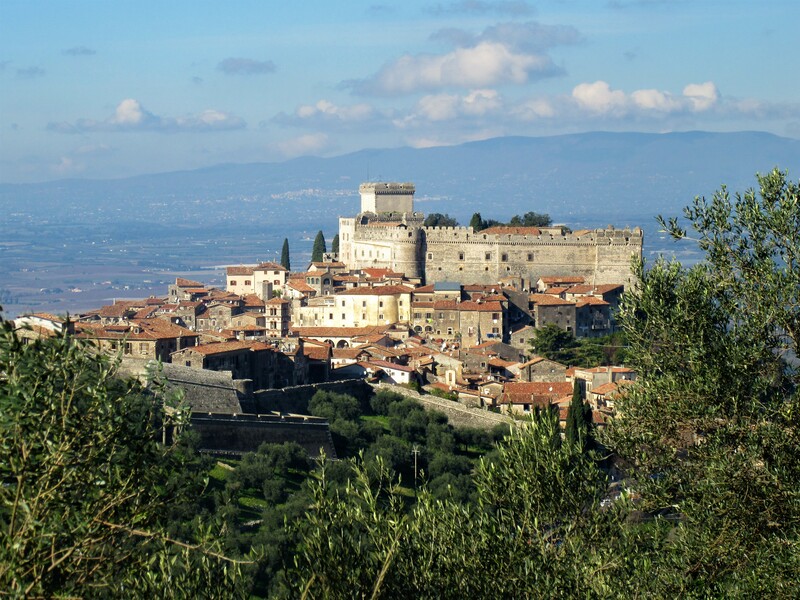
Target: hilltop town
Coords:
[(446, 312)]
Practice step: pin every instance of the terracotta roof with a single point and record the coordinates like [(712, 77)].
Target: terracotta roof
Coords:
[(145, 329), (381, 290), (384, 364), (594, 289), (238, 271), (541, 393), (273, 301), (252, 300), (270, 266), (548, 300), (562, 279), (187, 283), (382, 272), (609, 388), (46, 316), (332, 265), (224, 347), (300, 286), (502, 230), (591, 300), (500, 363), (324, 332)]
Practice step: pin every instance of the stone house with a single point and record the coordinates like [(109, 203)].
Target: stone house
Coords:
[(526, 397), (358, 307), (589, 379), (546, 309), (592, 317), (255, 361), (541, 369), (278, 317), (151, 339)]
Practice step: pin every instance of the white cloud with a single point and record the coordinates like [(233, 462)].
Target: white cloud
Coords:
[(506, 53), (130, 115), (598, 97), (327, 109), (701, 95), (487, 64), (441, 107)]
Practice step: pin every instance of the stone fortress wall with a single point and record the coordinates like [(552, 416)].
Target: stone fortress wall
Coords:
[(396, 239)]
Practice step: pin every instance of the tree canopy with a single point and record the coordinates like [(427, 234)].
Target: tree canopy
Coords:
[(440, 220), (89, 495)]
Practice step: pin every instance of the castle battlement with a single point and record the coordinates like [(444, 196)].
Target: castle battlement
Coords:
[(388, 233)]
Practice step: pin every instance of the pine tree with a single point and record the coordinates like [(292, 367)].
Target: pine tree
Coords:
[(285, 262), (319, 248), (335, 244)]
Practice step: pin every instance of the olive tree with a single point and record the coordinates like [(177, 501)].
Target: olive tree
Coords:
[(88, 489)]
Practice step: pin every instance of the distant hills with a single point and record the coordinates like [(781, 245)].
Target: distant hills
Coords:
[(581, 178), (74, 244)]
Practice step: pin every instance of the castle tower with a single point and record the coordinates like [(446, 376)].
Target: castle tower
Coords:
[(387, 197)]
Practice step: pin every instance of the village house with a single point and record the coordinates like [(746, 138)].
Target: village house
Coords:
[(260, 280), (153, 339), (358, 307), (546, 309), (526, 397), (255, 361), (539, 368)]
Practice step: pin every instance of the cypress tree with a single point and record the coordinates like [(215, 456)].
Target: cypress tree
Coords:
[(476, 222), (335, 244), (285, 263), (319, 248), (579, 418)]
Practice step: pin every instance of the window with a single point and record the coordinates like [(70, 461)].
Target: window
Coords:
[(342, 303), (495, 330), (488, 256), (530, 256), (460, 256), (417, 315), (430, 255), (441, 315), (343, 317), (495, 316), (380, 304), (363, 304), (449, 331), (504, 257), (247, 282), (233, 282), (380, 317), (427, 315), (330, 316), (364, 316)]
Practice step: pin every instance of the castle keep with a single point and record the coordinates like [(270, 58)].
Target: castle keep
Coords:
[(388, 233)]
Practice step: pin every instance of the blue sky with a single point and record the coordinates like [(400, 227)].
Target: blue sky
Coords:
[(104, 89)]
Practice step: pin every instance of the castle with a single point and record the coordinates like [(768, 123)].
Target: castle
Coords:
[(388, 233)]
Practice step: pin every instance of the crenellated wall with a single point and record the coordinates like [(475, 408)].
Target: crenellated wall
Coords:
[(460, 254)]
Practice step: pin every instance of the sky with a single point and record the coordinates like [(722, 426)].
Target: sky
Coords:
[(100, 89)]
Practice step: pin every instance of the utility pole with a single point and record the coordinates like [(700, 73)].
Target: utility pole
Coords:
[(415, 452)]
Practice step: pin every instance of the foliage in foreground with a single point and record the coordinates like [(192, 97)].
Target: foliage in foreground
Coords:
[(88, 495)]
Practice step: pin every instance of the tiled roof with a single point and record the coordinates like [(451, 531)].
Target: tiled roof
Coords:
[(385, 364), (252, 300), (187, 283), (548, 300), (502, 230), (381, 290), (556, 279), (541, 393), (276, 300), (382, 272), (300, 286), (238, 271), (46, 316), (591, 300), (222, 347), (594, 289), (318, 332), (269, 266), (145, 329)]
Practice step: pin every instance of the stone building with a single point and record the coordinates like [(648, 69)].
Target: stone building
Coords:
[(387, 233), (358, 307)]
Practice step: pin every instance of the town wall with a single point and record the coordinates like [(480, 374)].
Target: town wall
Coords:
[(457, 414), (240, 433)]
